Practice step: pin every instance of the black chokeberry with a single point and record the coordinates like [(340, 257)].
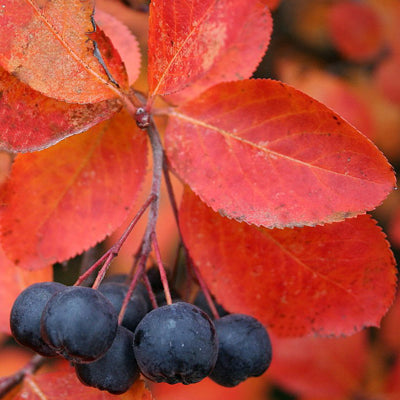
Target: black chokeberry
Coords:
[(176, 344), (136, 309), (79, 323), (26, 314), (140, 287), (117, 370), (244, 349)]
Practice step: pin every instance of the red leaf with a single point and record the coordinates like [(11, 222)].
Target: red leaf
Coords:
[(320, 368), (77, 192), (252, 389), (262, 152), (124, 42), (332, 280), (13, 359), (64, 385), (12, 281), (247, 40), (331, 90), (356, 30), (188, 39), (45, 44), (387, 78), (31, 121)]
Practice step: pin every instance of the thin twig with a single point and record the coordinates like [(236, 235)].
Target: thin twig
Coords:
[(161, 268), (111, 253), (150, 291), (158, 158), (204, 288), (189, 261)]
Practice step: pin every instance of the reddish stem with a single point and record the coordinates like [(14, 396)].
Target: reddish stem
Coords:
[(152, 296), (111, 253), (170, 191), (161, 268), (103, 270), (158, 157), (204, 288), (90, 270), (193, 268), (138, 273)]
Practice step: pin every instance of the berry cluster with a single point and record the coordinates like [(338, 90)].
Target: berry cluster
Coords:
[(176, 343)]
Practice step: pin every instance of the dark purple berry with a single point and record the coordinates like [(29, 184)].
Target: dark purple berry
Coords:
[(244, 349), (136, 308), (27, 312), (176, 344), (79, 323), (117, 370), (139, 289)]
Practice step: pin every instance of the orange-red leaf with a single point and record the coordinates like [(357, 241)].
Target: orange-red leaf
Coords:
[(46, 44), (262, 152), (249, 27), (319, 367), (356, 30), (124, 42), (12, 281), (252, 389), (332, 280), (331, 90), (188, 39), (64, 385), (30, 121), (62, 200), (387, 78)]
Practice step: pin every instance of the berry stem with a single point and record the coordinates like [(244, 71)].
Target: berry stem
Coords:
[(9, 382), (111, 253), (193, 268), (138, 273), (170, 190), (161, 268), (203, 287), (152, 296), (158, 160)]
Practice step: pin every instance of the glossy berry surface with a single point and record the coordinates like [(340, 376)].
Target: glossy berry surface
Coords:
[(26, 314), (136, 309), (79, 323), (117, 370), (244, 349), (176, 344)]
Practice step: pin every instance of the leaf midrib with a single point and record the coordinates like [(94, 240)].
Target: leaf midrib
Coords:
[(230, 135), (68, 48)]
